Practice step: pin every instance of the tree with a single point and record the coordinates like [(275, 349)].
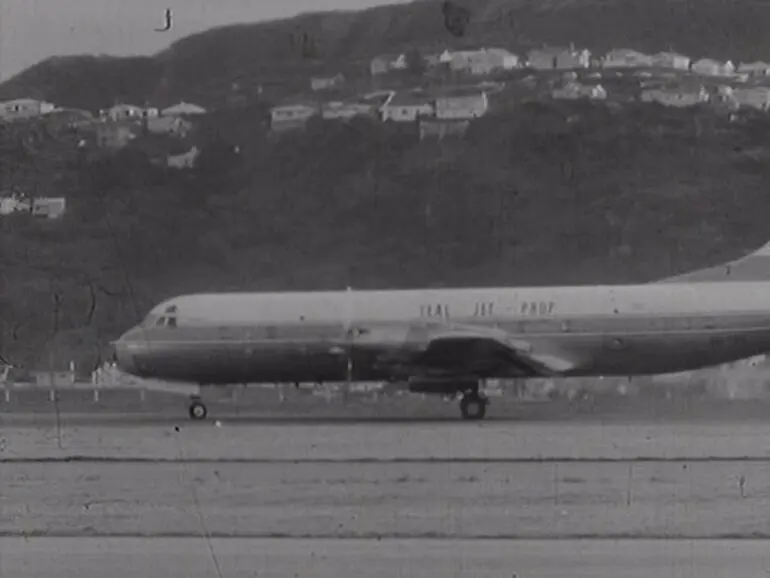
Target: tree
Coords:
[(415, 63)]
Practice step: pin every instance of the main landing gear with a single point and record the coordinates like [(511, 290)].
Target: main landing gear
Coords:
[(197, 409), (473, 405)]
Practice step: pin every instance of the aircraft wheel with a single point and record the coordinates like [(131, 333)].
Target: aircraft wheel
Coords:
[(197, 410), (473, 406)]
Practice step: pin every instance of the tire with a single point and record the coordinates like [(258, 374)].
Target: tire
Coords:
[(198, 411), (473, 407)]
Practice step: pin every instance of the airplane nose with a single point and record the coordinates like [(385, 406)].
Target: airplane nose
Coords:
[(123, 355)]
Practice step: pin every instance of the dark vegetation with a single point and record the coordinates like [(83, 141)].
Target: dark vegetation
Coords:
[(280, 55), (543, 193)]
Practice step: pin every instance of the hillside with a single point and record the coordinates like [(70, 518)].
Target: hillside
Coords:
[(281, 54), (541, 194)]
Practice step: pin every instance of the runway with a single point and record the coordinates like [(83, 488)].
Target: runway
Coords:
[(135, 495), (45, 437), (250, 558), (387, 500)]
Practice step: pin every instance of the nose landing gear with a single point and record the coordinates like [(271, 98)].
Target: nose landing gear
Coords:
[(197, 409)]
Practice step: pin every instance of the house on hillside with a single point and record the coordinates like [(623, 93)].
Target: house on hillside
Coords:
[(557, 58), (406, 107), (49, 207), (709, 67), (502, 59), (625, 58), (756, 97), (183, 109), (291, 116), (325, 83), (46, 207), (760, 69), (461, 106), (483, 61), (348, 110), (672, 60), (386, 62), (676, 96), (122, 112), (575, 90), (14, 202), (24, 108)]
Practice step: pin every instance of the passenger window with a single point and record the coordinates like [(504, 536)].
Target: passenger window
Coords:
[(160, 322), (171, 322)]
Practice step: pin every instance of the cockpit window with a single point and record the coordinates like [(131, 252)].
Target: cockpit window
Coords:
[(150, 320), (166, 321), (155, 320)]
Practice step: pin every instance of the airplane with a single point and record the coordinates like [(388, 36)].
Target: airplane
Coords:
[(447, 341)]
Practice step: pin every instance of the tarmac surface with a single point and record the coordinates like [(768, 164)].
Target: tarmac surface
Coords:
[(375, 500), (135, 438), (281, 558), (87, 491)]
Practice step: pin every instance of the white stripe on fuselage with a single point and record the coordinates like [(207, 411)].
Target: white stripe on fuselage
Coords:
[(727, 298)]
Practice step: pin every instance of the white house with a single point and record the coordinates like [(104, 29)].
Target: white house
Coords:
[(625, 58), (483, 61), (14, 203), (709, 67), (346, 110), (574, 90), (182, 109), (22, 108), (123, 112), (558, 58), (406, 107), (672, 60), (461, 106), (754, 68), (503, 58), (49, 207), (289, 116), (678, 97), (757, 97)]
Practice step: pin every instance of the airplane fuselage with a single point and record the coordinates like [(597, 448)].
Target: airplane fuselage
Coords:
[(338, 336)]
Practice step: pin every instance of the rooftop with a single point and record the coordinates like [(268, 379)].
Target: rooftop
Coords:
[(410, 99)]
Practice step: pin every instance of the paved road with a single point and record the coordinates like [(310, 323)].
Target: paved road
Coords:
[(287, 558)]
